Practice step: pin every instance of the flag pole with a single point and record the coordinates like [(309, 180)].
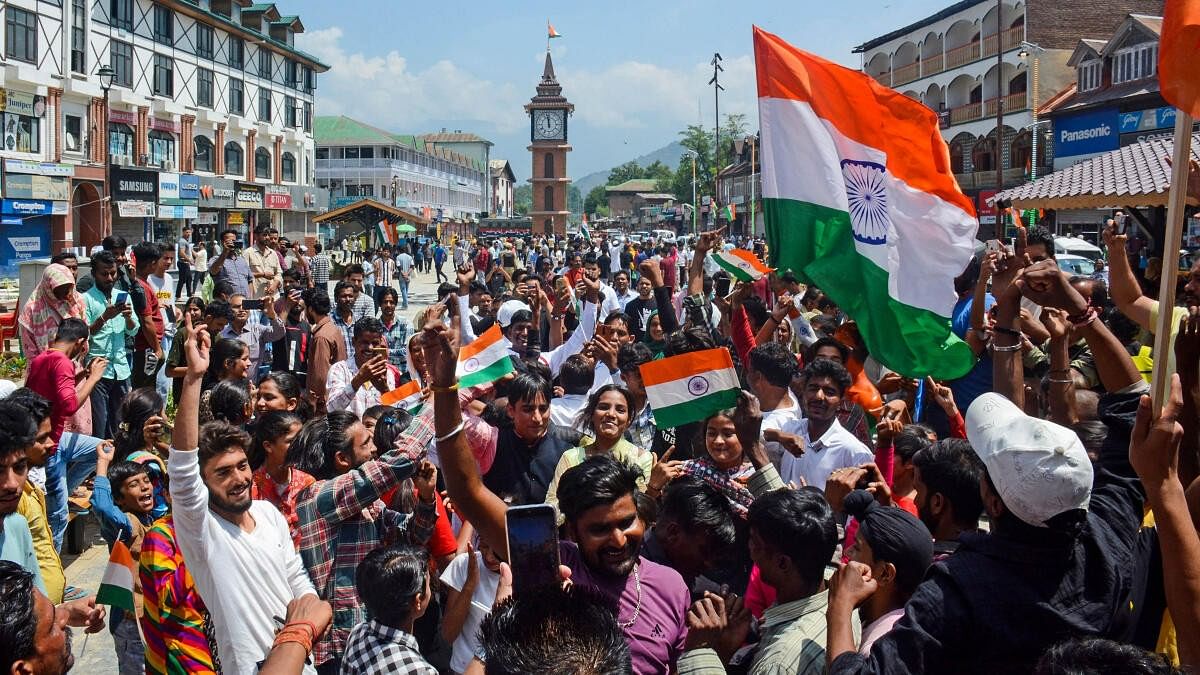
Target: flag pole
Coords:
[(1176, 202)]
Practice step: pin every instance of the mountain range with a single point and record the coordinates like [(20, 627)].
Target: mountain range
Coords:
[(668, 154)]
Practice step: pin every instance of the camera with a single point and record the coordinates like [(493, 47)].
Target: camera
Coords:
[(1002, 204)]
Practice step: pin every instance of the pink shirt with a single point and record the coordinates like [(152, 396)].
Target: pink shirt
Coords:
[(52, 375)]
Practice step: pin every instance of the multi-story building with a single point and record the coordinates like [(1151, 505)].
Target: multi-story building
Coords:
[(466, 145), (977, 63), (209, 118), (637, 204), (356, 160), (503, 180)]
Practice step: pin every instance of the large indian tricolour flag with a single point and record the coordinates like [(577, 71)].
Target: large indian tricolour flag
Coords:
[(859, 200)]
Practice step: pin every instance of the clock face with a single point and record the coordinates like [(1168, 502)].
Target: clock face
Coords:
[(549, 125)]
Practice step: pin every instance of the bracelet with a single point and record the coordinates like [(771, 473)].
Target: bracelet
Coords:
[(296, 635), (1060, 380), (312, 627), (1006, 348), (450, 434), (1007, 331), (443, 390)]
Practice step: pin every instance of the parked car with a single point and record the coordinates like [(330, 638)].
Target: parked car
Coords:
[(664, 236), (1075, 265), (1078, 247)]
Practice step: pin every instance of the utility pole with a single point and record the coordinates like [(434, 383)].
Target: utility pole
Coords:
[(999, 153), (717, 88)]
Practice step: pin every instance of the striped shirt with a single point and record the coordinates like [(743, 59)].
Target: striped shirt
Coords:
[(342, 520), (173, 622)]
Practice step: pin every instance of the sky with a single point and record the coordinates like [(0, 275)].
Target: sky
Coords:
[(637, 72)]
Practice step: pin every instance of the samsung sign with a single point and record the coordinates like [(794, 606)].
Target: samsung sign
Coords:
[(1088, 133)]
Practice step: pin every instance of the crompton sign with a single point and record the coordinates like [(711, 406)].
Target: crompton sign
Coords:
[(1086, 133)]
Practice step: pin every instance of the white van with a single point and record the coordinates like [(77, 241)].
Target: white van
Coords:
[(663, 236), (1077, 246)]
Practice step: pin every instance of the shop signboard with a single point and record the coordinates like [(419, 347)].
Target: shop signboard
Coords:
[(339, 202), (39, 168), (189, 186), (986, 211), (21, 103), (23, 239), (206, 218), (1095, 131), (28, 186), (168, 187), (122, 117), (135, 209), (134, 185), (236, 218), (248, 196), (172, 211), (32, 207), (217, 194), (278, 197)]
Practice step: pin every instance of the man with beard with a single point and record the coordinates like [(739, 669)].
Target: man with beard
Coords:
[(597, 499), (239, 551), (34, 634), (289, 353), (110, 323), (946, 476)]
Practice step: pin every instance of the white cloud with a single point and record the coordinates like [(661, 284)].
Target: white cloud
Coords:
[(385, 91)]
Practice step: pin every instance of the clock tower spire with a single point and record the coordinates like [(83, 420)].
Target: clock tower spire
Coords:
[(548, 111)]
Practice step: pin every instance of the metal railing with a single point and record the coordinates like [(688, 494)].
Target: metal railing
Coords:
[(905, 74), (953, 58)]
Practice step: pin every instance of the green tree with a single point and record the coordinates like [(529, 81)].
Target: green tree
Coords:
[(523, 199), (627, 171), (658, 171), (735, 127), (574, 199), (596, 201)]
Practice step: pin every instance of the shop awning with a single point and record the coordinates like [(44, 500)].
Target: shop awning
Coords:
[(1135, 175), (368, 212)]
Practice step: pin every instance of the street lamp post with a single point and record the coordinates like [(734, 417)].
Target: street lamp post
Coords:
[(1030, 49), (107, 75), (695, 206)]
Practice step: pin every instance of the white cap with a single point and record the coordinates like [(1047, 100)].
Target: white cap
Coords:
[(7, 387), (1039, 468), (504, 315)]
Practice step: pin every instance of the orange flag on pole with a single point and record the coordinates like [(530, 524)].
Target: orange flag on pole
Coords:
[(1178, 67)]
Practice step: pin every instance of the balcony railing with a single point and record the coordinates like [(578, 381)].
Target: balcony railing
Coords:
[(977, 111), (962, 55), (966, 113), (932, 65), (906, 74), (953, 58), (1012, 103), (1009, 38)]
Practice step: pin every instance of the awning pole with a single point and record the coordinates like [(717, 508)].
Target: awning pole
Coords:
[(1176, 202)]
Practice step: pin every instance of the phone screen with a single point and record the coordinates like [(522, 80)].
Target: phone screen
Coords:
[(532, 547), (721, 286), (252, 304), (122, 298)]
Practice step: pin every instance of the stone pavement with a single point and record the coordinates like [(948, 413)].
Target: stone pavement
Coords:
[(96, 655)]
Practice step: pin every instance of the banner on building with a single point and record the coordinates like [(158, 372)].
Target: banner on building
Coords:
[(39, 168), (206, 218), (172, 211), (134, 185), (135, 209), (278, 197), (248, 196), (27, 186)]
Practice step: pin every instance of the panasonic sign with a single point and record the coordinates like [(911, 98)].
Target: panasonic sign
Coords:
[(1086, 133)]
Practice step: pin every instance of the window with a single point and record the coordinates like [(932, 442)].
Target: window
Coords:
[(293, 74), (352, 153), (20, 35), (1134, 63), (288, 167), (120, 57), (162, 147), (308, 114), (21, 133), (164, 75), (548, 198), (204, 87), (121, 14), (322, 153), (264, 63), (204, 41), (164, 25), (366, 152), (120, 140), (548, 166), (1088, 75), (73, 132), (264, 104), (237, 53), (78, 36), (204, 153), (262, 163), (310, 82), (291, 112), (233, 158), (236, 97)]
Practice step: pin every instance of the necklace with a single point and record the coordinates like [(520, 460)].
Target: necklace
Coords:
[(637, 584)]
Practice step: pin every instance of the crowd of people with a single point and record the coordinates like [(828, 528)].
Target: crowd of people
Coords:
[(288, 511)]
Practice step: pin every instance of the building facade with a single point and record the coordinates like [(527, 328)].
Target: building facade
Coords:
[(549, 111), (503, 184), (206, 96), (356, 160), (982, 66)]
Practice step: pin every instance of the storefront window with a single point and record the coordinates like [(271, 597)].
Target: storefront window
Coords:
[(162, 147), (21, 133), (120, 140)]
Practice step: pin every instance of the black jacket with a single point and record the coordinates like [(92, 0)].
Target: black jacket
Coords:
[(524, 472)]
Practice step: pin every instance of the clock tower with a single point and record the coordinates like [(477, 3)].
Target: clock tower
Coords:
[(548, 112)]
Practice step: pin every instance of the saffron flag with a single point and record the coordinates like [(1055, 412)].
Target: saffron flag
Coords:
[(583, 228), (405, 396), (741, 264), (381, 229), (550, 32), (116, 586), (1178, 68), (860, 201), (484, 360), (730, 211), (690, 387)]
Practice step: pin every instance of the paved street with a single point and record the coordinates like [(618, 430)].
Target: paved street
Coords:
[(95, 654)]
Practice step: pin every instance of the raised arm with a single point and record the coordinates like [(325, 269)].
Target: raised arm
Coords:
[(189, 496), (1062, 384), (1122, 285)]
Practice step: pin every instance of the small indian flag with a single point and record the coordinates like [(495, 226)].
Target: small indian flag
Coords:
[(741, 264), (730, 211), (550, 32), (116, 586), (860, 200), (484, 360), (690, 387), (583, 228), (405, 396), (382, 230)]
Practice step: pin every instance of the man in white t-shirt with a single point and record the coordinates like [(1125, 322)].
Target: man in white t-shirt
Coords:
[(469, 578), (769, 371), (164, 289), (828, 445), (239, 551)]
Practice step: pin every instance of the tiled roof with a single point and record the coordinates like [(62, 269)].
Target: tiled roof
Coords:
[(1135, 175), (342, 130), (454, 137), (634, 185)]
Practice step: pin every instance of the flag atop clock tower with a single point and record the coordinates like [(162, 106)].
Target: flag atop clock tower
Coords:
[(548, 114)]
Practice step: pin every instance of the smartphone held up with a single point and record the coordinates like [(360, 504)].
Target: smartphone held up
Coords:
[(532, 547)]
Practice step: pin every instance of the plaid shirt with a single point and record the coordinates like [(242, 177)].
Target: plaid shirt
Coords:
[(397, 336), (376, 649), (320, 269), (265, 488), (347, 330), (342, 520)]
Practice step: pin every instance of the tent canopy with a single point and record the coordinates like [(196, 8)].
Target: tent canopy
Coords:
[(1135, 175), (367, 212)]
